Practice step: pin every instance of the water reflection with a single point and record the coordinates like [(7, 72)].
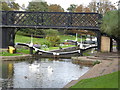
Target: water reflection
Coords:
[(40, 73)]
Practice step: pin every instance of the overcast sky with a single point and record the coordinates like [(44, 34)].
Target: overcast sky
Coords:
[(64, 3)]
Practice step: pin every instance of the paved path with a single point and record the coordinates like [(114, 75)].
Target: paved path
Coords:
[(109, 63)]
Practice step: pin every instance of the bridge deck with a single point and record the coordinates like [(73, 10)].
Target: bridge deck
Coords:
[(55, 20), (51, 27)]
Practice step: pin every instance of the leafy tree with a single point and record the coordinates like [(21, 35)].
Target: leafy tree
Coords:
[(9, 6), (72, 8), (101, 7), (92, 6), (55, 8), (110, 25), (86, 9), (37, 6), (14, 6), (4, 6), (79, 8), (53, 37)]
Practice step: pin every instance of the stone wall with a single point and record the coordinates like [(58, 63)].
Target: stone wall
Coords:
[(105, 44)]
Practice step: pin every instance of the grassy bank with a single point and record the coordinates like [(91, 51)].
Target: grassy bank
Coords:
[(106, 81), (19, 51), (25, 39)]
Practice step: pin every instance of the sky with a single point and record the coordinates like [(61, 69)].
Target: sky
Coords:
[(63, 3)]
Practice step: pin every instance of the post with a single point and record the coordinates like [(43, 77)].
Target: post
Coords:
[(31, 50), (98, 40), (31, 45), (81, 52), (0, 37), (69, 21), (42, 19), (111, 45)]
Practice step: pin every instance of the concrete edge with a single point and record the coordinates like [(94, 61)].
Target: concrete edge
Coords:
[(11, 58)]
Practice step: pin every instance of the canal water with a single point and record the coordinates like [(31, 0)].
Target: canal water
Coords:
[(40, 73)]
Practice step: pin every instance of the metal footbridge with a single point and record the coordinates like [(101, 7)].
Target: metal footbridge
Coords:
[(12, 21)]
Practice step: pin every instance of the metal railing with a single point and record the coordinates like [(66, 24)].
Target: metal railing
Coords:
[(50, 19)]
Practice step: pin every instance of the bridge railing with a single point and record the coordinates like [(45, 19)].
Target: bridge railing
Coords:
[(50, 19)]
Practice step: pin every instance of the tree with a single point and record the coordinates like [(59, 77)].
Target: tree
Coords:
[(4, 6), (86, 9), (55, 8), (110, 25), (79, 8), (101, 7), (92, 6), (15, 6), (72, 8), (53, 37), (37, 6), (9, 5)]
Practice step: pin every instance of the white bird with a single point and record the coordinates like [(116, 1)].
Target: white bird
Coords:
[(50, 70)]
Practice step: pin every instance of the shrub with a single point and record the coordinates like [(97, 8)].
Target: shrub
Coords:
[(54, 40), (53, 37), (96, 62)]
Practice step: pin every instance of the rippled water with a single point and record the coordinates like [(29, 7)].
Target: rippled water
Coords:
[(40, 73)]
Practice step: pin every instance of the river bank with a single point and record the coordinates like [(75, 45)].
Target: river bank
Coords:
[(109, 62)]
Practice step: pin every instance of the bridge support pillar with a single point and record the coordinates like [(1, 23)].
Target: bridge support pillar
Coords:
[(7, 37), (98, 40)]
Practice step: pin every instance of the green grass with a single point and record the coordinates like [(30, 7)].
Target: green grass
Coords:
[(105, 81), (87, 53), (23, 51), (20, 51), (9, 54), (54, 48), (24, 39), (69, 37)]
